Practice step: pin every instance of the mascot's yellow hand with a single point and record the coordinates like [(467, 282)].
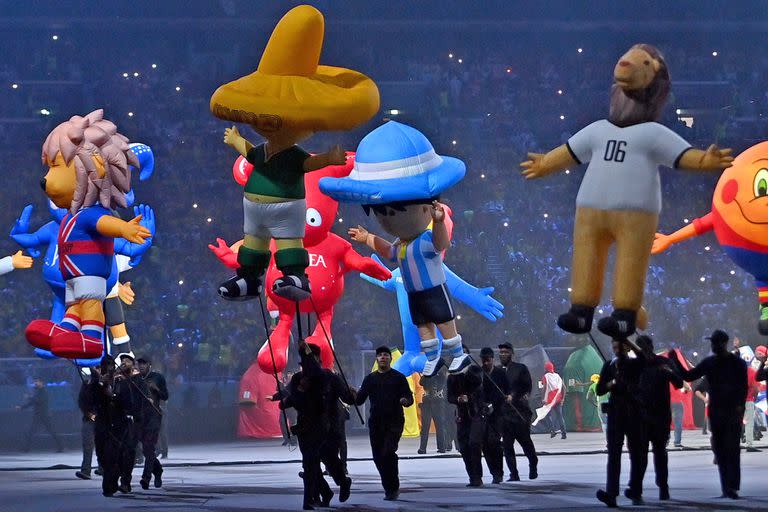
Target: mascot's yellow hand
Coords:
[(18, 260), (231, 136), (134, 232), (533, 167), (661, 243), (715, 158), (358, 234), (126, 293)]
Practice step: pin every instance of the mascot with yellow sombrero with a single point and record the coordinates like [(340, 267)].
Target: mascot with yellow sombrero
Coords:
[(620, 196), (286, 100)]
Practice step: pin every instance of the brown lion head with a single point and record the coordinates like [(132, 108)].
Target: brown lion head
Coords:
[(641, 86)]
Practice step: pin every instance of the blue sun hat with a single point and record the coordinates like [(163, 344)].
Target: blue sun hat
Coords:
[(395, 163)]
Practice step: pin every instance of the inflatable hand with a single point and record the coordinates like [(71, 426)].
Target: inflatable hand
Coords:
[(389, 283), (20, 261), (661, 243), (374, 269), (21, 227), (147, 217), (482, 302), (147, 221), (534, 167), (126, 293), (134, 232), (226, 255)]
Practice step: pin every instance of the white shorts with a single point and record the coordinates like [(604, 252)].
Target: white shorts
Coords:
[(85, 287), (275, 220)]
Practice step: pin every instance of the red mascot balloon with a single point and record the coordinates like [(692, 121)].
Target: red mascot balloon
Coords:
[(330, 257)]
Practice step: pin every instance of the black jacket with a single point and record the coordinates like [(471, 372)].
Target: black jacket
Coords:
[(468, 383), (625, 394), (385, 391), (727, 379), (655, 379)]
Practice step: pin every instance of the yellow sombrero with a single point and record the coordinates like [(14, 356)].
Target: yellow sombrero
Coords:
[(290, 89)]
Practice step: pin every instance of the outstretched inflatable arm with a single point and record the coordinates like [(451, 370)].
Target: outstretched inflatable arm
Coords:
[(479, 299), (698, 227), (388, 284), (226, 254), (136, 251), (374, 268), (539, 165), (30, 241)]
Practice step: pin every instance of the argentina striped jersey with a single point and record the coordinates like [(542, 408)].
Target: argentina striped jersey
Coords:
[(421, 266)]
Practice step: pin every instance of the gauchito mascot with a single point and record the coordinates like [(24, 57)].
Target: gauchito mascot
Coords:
[(620, 196), (399, 176)]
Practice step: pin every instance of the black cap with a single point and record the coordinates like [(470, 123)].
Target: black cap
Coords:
[(718, 336), (506, 345), (486, 352), (382, 349), (144, 359), (315, 349)]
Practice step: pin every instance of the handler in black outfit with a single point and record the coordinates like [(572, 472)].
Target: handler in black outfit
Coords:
[(496, 396), (726, 375), (621, 377), (517, 414), (389, 392), (465, 389), (152, 417), (315, 393), (657, 412)]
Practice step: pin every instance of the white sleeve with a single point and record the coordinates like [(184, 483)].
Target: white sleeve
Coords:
[(123, 262), (668, 146), (6, 265), (580, 145)]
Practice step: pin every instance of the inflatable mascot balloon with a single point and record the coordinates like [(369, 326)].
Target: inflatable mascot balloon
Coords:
[(739, 218), (88, 174), (620, 196), (127, 256), (413, 360), (399, 176), (287, 99), (10, 263), (330, 257)]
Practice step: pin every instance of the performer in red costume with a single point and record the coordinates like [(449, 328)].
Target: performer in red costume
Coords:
[(330, 257)]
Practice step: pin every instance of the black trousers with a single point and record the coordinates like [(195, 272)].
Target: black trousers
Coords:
[(726, 436), (492, 450), (657, 435), (149, 437), (470, 436), (623, 424), (44, 421), (517, 431), (314, 450), (116, 452), (87, 435), (432, 410), (385, 436)]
